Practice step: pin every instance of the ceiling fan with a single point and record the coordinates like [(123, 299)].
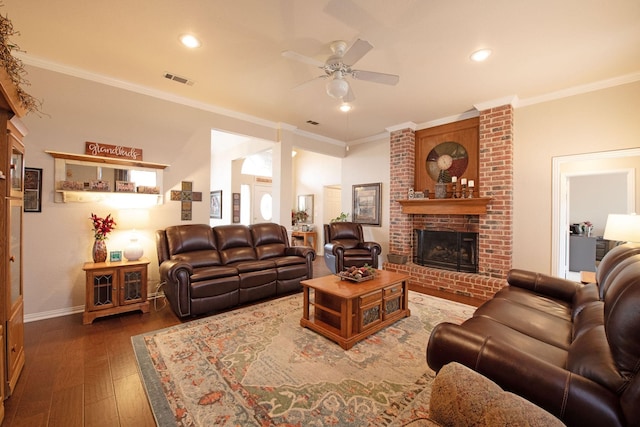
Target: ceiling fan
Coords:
[(338, 67)]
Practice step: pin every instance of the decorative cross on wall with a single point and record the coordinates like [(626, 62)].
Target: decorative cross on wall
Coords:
[(186, 196)]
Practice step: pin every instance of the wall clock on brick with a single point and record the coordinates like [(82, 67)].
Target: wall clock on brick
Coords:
[(446, 160), (447, 150)]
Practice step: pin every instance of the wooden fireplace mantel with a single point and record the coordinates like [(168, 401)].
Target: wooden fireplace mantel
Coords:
[(476, 206)]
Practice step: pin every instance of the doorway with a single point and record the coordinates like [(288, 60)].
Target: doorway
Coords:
[(262, 203), (588, 179)]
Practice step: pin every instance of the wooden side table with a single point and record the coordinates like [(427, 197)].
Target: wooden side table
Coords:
[(306, 235), (115, 287)]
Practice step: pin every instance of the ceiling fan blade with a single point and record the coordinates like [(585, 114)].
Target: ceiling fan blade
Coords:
[(372, 76), (304, 84), (356, 52), (302, 58)]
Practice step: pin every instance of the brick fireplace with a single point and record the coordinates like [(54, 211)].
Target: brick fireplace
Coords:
[(495, 227)]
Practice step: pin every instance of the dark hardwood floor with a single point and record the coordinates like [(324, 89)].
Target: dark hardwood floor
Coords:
[(79, 375)]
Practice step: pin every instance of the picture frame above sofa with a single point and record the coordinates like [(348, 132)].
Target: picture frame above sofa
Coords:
[(216, 204), (366, 204)]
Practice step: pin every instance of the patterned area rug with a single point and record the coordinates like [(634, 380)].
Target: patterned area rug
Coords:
[(257, 366)]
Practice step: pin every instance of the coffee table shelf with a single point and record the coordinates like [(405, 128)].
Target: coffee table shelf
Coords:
[(347, 312)]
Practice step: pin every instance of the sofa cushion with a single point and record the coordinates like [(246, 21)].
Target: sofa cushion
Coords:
[(590, 357), (554, 306), (197, 259), (486, 327), (590, 316), (234, 243), (216, 272), (189, 238), (214, 287), (290, 260), (269, 240), (584, 296), (529, 321)]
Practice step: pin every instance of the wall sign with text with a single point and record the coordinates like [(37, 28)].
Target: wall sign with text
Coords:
[(113, 151)]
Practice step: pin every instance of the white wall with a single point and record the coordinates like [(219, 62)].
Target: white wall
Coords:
[(367, 164), (603, 120), (313, 172)]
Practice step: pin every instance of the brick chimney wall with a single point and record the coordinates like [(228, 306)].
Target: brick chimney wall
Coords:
[(495, 227)]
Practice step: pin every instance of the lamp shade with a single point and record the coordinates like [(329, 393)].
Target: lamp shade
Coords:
[(625, 228), (337, 88)]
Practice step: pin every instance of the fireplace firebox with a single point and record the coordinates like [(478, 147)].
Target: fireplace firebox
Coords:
[(446, 249)]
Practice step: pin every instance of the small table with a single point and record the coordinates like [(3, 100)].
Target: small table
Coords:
[(305, 238), (347, 312), (115, 287)]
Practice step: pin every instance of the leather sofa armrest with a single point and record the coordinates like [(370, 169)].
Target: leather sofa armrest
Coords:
[(301, 251), (372, 247), (334, 248), (555, 287), (169, 269), (177, 285), (572, 398)]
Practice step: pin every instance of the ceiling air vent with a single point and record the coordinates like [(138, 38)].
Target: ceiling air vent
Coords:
[(179, 79)]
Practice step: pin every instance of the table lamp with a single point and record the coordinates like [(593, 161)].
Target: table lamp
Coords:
[(624, 228), (133, 219)]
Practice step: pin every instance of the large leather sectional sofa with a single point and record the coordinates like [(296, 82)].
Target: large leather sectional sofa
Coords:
[(206, 269), (569, 348)]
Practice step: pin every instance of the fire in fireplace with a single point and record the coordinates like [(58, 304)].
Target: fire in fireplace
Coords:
[(446, 249)]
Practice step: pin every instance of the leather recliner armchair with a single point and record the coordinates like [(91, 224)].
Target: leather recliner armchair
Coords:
[(345, 247)]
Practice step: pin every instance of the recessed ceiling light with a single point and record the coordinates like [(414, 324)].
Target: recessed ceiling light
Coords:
[(189, 41), (345, 107), (480, 55)]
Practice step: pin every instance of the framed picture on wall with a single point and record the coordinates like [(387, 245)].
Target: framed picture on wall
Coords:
[(236, 208), (32, 190), (366, 204), (216, 205)]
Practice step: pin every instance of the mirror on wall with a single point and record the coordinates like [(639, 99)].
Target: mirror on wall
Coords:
[(305, 204)]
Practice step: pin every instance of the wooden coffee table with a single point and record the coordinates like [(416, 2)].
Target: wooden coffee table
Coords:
[(347, 312)]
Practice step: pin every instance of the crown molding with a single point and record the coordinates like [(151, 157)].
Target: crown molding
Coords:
[(400, 126), (578, 90), (499, 102)]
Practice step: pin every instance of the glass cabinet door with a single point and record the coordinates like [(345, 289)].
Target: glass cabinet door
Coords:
[(15, 253), (16, 167)]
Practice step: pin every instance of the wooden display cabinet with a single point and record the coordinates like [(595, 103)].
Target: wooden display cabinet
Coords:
[(12, 160), (115, 287)]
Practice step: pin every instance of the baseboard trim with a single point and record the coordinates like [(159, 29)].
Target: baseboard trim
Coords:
[(44, 315)]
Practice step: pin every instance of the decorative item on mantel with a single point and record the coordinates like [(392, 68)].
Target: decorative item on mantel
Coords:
[(101, 227)]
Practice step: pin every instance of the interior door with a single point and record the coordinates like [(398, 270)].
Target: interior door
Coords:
[(262, 204)]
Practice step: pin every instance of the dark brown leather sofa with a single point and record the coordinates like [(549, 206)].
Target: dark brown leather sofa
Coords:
[(207, 269), (345, 247), (569, 348)]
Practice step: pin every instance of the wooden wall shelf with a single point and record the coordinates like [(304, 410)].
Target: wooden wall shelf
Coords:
[(476, 206), (105, 160)]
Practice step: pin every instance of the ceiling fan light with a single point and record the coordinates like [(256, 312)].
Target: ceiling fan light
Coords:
[(337, 88), (190, 41), (345, 107), (480, 55)]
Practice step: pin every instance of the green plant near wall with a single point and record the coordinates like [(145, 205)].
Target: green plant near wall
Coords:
[(343, 217)]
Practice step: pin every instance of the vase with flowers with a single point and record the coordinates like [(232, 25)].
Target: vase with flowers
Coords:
[(101, 227), (298, 217)]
